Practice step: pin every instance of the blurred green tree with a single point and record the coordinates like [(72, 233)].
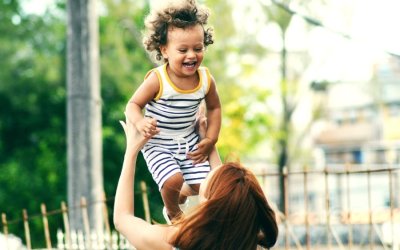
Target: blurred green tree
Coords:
[(32, 112), (245, 117)]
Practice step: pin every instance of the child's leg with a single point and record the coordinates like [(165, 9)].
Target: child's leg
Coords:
[(188, 190), (185, 192), (170, 194), (195, 188)]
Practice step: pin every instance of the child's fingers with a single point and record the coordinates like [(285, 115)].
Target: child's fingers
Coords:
[(153, 121), (200, 159), (197, 156)]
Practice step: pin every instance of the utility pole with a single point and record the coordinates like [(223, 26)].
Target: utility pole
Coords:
[(85, 169)]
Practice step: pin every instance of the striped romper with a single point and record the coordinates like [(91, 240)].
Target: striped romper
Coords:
[(175, 111)]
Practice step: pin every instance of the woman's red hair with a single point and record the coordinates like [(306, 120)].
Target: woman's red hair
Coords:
[(236, 214)]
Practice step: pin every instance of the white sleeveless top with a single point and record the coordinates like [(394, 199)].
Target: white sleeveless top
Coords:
[(175, 109)]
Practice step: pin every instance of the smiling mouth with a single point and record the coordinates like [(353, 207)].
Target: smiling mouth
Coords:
[(189, 64)]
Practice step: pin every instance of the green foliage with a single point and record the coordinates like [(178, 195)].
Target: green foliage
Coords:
[(246, 121), (33, 105), (243, 127), (32, 112)]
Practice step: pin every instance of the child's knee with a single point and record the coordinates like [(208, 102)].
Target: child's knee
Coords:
[(195, 188), (174, 182)]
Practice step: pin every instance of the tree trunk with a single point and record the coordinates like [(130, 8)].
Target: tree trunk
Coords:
[(85, 169), (283, 141)]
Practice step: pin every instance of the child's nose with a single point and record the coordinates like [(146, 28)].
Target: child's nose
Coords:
[(191, 54)]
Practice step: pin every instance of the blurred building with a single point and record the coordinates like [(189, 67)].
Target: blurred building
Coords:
[(363, 119), (361, 129)]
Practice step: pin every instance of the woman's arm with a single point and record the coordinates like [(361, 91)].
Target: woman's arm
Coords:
[(139, 233)]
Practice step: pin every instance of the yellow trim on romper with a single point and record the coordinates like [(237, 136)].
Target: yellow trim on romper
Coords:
[(183, 91), (208, 79), (160, 90)]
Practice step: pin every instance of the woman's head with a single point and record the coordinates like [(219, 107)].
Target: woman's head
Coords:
[(166, 16), (233, 215)]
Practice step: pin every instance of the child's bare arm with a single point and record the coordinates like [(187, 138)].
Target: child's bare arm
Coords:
[(144, 94), (207, 143), (201, 128)]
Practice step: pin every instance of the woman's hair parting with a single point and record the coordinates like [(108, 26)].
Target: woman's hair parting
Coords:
[(173, 13), (236, 214)]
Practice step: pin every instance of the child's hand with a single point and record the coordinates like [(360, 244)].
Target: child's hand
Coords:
[(134, 139), (147, 127), (203, 150)]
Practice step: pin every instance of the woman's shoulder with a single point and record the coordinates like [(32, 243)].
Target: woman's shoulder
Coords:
[(158, 237), (143, 235)]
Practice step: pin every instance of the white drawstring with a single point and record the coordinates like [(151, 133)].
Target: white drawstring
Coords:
[(178, 140)]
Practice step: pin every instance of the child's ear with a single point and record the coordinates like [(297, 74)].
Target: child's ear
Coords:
[(163, 50)]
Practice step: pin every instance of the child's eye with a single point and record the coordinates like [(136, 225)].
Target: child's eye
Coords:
[(198, 49), (182, 50)]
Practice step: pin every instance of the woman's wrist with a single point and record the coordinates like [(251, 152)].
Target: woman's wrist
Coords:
[(132, 151)]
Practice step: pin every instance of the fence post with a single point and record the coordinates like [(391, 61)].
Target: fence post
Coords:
[(106, 222), (5, 228), (145, 199), (391, 195), (45, 226), (85, 218), (26, 229), (327, 208), (67, 229), (348, 215), (307, 221), (286, 202), (369, 208)]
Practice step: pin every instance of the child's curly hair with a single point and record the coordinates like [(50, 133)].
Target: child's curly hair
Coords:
[(180, 14)]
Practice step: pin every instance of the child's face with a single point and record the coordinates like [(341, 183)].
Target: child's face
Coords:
[(184, 49)]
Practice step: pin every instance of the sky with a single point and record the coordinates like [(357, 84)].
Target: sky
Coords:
[(35, 6), (378, 22), (371, 24)]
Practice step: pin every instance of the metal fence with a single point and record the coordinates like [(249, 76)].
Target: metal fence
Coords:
[(303, 225), (349, 225), (66, 238)]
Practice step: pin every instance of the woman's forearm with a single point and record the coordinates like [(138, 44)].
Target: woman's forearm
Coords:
[(124, 197), (214, 158)]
